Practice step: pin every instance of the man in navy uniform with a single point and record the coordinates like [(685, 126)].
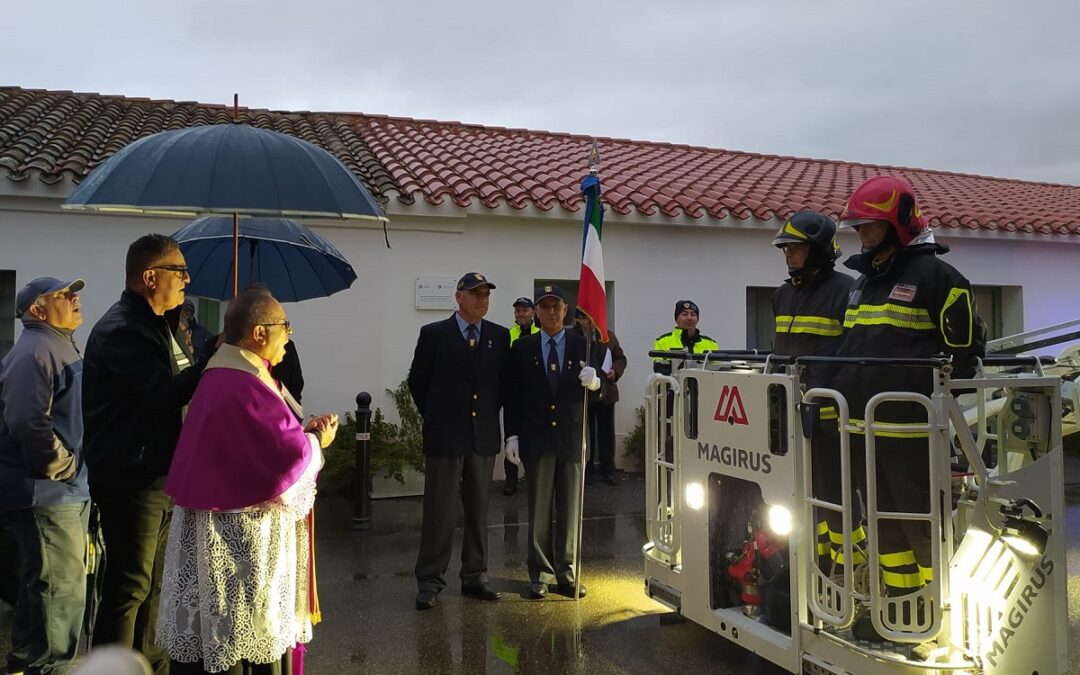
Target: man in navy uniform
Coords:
[(544, 420), (457, 380)]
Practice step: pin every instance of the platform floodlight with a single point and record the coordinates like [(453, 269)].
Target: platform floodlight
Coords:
[(780, 520), (695, 496)]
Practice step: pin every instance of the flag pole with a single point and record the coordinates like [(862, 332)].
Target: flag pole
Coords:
[(594, 169)]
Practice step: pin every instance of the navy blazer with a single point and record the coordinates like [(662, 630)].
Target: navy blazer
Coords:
[(546, 422), (460, 405)]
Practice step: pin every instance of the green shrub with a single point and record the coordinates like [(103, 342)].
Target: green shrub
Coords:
[(634, 443), (392, 448)]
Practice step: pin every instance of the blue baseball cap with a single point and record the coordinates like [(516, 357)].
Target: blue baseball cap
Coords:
[(36, 288)]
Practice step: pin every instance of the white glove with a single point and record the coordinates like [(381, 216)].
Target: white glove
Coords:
[(588, 377), (512, 450)]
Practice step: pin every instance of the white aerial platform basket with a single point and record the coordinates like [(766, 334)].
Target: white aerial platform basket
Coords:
[(728, 457)]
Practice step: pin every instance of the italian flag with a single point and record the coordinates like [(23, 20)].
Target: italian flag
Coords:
[(592, 297)]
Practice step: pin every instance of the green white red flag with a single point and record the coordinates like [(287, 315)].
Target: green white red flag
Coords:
[(592, 296)]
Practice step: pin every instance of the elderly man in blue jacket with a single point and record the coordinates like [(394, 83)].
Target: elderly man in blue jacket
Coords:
[(43, 490)]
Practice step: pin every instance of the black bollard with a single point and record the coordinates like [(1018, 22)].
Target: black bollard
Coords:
[(362, 503)]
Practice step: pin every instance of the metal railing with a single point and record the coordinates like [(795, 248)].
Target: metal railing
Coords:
[(662, 467)]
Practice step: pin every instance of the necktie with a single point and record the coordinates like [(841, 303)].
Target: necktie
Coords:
[(470, 331), (553, 365)]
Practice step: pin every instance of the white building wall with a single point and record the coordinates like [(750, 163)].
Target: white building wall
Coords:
[(362, 339)]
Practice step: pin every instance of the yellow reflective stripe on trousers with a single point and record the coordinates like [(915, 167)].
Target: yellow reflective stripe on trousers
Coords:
[(902, 579), (898, 559), (857, 555), (915, 318), (814, 325), (860, 428), (827, 412), (857, 536), (927, 574)]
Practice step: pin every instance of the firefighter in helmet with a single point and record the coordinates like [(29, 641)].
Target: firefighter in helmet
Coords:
[(809, 313), (907, 303)]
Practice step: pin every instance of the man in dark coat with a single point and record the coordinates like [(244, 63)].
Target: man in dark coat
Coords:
[(457, 380), (544, 420), (609, 360), (136, 381)]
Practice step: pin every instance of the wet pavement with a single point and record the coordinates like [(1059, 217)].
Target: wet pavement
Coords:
[(367, 589)]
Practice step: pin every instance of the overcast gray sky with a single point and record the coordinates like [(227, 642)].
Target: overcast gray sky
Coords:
[(981, 86)]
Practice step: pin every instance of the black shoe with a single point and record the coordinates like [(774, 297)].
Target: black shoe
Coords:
[(510, 488), (538, 591), (426, 599), (568, 590), (611, 480), (480, 591)]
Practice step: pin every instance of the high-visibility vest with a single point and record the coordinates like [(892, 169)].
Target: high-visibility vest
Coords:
[(672, 341), (515, 331)]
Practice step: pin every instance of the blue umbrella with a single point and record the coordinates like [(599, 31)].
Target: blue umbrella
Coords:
[(293, 261), (225, 168)]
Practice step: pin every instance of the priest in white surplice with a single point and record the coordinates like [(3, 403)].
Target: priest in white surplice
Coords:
[(238, 592)]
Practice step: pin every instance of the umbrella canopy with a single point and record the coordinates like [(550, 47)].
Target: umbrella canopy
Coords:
[(225, 168), (293, 261)]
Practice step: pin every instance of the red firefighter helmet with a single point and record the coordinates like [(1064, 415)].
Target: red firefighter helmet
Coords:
[(886, 198)]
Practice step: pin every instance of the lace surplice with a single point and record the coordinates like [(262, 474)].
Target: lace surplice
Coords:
[(236, 583)]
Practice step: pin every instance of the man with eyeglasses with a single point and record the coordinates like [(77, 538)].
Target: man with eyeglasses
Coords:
[(458, 381), (238, 588), (43, 492), (134, 394)]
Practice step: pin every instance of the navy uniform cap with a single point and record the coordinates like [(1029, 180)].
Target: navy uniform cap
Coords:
[(549, 291), (523, 302), (473, 280)]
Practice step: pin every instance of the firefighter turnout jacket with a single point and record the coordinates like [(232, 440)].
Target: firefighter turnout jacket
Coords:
[(915, 306), (809, 313)]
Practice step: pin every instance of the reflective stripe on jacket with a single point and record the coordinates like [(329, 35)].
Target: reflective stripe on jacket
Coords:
[(917, 307), (673, 342)]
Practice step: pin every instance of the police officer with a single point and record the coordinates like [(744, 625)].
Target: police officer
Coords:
[(907, 303), (524, 319), (524, 324), (809, 311), (684, 337)]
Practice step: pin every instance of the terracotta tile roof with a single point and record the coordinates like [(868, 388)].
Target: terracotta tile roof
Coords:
[(51, 134)]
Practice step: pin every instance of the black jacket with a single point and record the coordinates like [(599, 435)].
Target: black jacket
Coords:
[(545, 423), (460, 406), (810, 319), (917, 306), (132, 396)]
